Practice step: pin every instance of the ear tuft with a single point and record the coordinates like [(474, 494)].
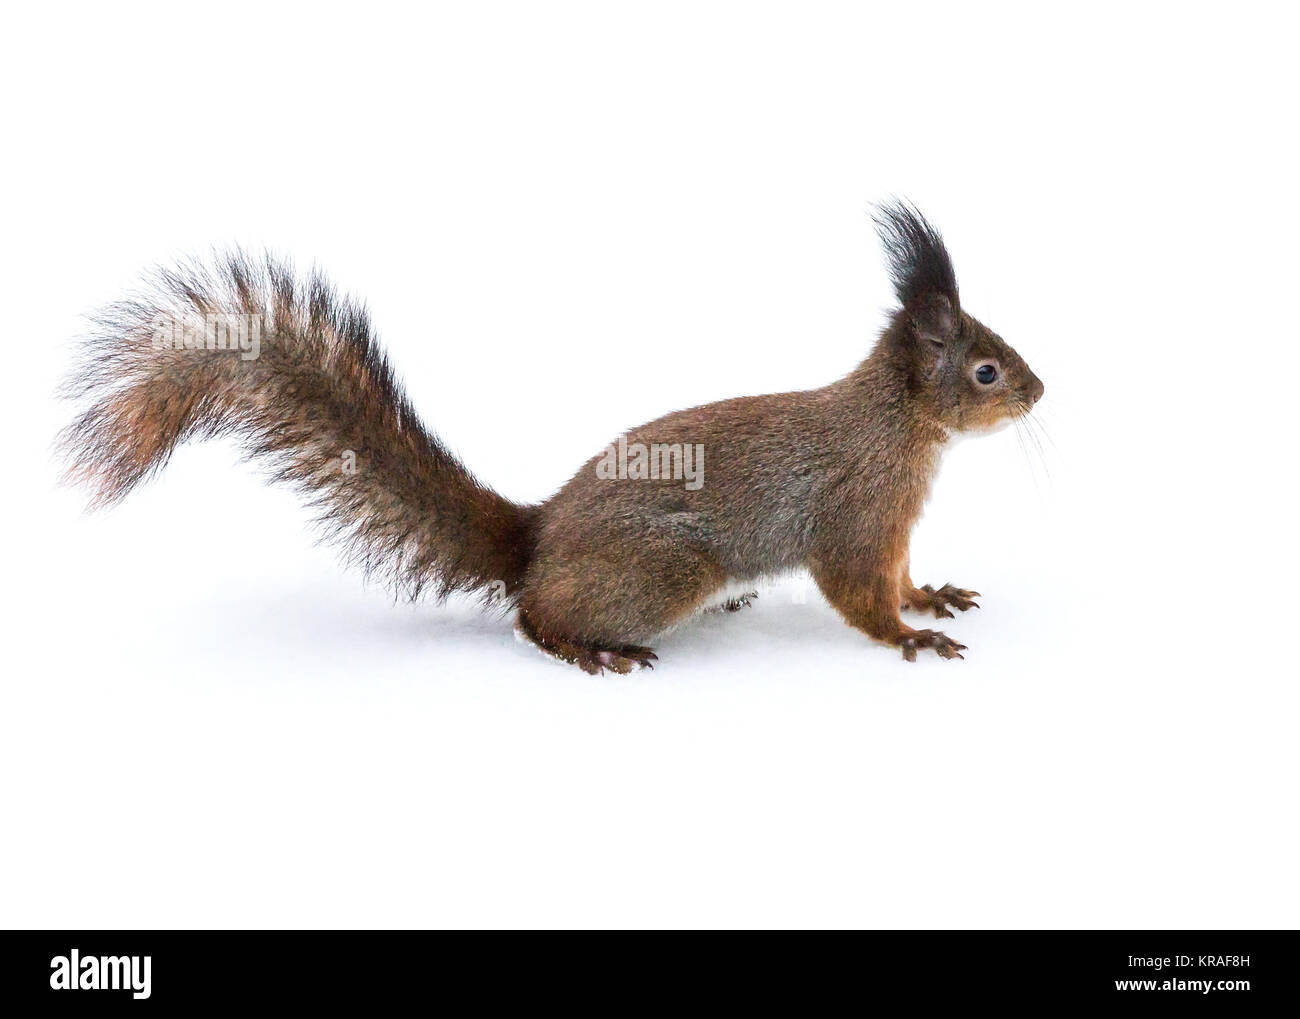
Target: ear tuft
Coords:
[(918, 261)]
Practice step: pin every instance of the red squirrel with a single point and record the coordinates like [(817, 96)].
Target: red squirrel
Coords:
[(829, 480)]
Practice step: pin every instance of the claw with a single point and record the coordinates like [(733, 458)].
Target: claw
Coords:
[(940, 643), (939, 602)]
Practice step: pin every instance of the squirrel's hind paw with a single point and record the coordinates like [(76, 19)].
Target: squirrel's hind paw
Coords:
[(740, 601), (624, 659), (591, 659)]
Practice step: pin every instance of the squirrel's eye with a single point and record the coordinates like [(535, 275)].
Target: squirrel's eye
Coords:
[(986, 374)]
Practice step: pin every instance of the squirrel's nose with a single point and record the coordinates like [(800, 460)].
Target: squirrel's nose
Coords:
[(1035, 390)]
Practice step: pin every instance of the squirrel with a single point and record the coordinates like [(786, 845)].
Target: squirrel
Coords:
[(829, 480)]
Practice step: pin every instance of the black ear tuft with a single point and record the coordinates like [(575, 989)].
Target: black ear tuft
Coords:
[(918, 262)]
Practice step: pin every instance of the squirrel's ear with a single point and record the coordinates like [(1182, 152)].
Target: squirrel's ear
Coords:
[(933, 319), (918, 261)]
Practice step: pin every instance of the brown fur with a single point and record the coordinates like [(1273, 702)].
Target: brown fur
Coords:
[(319, 389), (831, 479)]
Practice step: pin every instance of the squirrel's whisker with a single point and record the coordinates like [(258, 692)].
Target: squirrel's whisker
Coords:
[(1029, 460), (1039, 431), (1030, 430)]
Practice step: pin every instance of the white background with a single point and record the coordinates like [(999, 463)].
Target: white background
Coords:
[(568, 219)]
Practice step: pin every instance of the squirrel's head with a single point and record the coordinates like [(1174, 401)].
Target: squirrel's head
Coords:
[(961, 373)]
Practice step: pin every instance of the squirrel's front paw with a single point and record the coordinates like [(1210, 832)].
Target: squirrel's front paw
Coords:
[(942, 645), (923, 599)]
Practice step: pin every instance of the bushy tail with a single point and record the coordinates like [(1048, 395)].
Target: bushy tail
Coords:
[(294, 371)]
